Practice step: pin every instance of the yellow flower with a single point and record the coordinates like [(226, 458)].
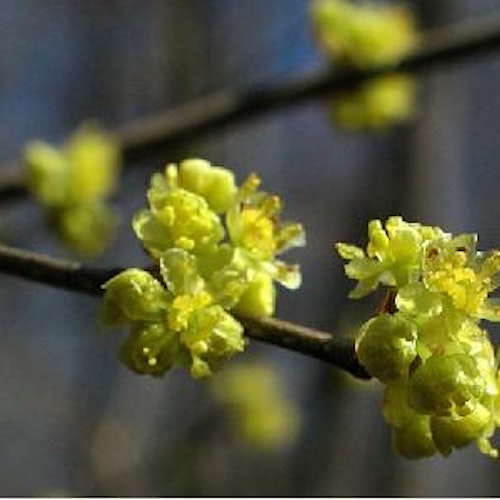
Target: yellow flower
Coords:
[(259, 236)]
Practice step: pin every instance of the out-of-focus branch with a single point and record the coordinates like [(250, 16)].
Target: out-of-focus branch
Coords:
[(156, 134), (76, 277)]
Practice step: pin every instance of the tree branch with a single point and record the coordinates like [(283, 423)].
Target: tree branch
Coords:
[(157, 134), (76, 277)]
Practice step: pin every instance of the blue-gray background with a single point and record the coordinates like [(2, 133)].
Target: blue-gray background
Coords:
[(71, 418)]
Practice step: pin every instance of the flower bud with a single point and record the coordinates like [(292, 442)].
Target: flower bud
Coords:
[(449, 432), (215, 184), (150, 350), (415, 439), (446, 386), (132, 295), (259, 297), (387, 346)]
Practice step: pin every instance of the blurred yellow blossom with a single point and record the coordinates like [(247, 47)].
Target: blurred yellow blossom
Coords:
[(72, 183), (367, 35), (254, 395)]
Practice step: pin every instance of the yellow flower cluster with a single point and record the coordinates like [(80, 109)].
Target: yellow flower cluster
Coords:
[(216, 246), (426, 345)]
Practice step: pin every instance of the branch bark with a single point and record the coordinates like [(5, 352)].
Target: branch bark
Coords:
[(76, 277), (156, 134)]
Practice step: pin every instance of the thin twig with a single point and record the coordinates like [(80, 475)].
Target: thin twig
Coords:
[(156, 134), (76, 277)]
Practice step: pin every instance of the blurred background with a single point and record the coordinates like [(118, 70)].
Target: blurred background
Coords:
[(73, 420)]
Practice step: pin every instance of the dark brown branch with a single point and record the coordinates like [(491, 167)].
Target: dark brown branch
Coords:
[(52, 271), (472, 38), (338, 351), (76, 277), (157, 134)]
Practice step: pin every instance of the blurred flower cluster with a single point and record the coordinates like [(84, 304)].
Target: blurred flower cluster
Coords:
[(73, 182), (364, 36), (254, 396)]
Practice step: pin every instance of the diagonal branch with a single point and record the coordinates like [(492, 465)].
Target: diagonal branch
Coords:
[(156, 134), (76, 277)]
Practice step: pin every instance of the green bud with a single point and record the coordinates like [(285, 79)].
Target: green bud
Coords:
[(150, 350), (378, 241), (259, 298), (452, 433), (395, 405), (415, 439), (446, 386), (133, 295), (215, 184), (387, 346), (199, 368)]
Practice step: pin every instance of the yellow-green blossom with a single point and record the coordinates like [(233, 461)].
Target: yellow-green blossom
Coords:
[(215, 184), (176, 322), (176, 218), (72, 183), (438, 364), (235, 233), (393, 255), (215, 246), (258, 236), (368, 35)]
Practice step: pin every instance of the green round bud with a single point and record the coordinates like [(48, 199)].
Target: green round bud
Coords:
[(132, 295), (446, 386), (150, 350), (387, 346), (395, 406), (415, 439), (452, 433), (259, 298), (215, 184)]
